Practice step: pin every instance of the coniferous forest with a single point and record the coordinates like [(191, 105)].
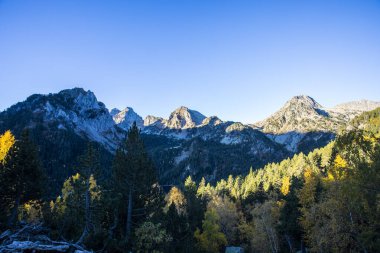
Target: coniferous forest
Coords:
[(327, 200)]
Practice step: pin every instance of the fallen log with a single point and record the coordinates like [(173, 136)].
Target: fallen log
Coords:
[(33, 238)]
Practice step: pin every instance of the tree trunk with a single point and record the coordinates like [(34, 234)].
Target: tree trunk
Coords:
[(289, 241), (303, 250), (129, 216), (87, 217), (13, 216)]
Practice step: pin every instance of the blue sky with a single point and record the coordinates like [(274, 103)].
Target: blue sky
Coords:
[(240, 60)]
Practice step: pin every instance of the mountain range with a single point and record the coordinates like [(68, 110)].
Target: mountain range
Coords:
[(186, 143)]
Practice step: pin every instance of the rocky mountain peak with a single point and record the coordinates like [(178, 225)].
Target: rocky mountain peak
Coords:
[(213, 121), (77, 100), (114, 111), (298, 114), (80, 99), (183, 118), (126, 117), (74, 92), (302, 101), (152, 120), (74, 109)]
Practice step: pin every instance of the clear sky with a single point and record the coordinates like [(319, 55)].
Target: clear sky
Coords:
[(239, 60)]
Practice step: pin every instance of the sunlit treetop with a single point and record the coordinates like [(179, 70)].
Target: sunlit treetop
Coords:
[(7, 140)]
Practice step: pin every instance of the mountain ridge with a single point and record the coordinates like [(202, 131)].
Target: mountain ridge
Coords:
[(176, 144)]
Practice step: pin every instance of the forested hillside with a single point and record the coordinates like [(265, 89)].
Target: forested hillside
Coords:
[(369, 121), (324, 201)]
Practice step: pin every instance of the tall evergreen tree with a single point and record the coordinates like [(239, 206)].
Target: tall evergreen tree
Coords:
[(134, 177), (89, 169), (7, 140), (21, 176), (289, 227)]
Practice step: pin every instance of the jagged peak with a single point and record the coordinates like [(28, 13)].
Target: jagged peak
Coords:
[(150, 120), (152, 117), (80, 99), (153, 121), (298, 109), (183, 110), (236, 126), (75, 99), (303, 100), (213, 120), (128, 109), (76, 92), (67, 94), (183, 117), (114, 111), (126, 117)]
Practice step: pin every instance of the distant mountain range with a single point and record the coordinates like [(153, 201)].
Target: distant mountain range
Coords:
[(186, 143), (301, 120)]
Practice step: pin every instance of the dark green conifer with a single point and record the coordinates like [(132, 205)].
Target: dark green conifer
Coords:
[(21, 178), (134, 177)]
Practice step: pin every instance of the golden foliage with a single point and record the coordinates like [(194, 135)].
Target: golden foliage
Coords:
[(285, 186), (6, 142), (339, 170), (31, 212), (176, 197), (339, 162)]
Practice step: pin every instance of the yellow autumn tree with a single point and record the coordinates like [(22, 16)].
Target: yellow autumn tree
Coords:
[(285, 186), (6, 142), (176, 197), (339, 169)]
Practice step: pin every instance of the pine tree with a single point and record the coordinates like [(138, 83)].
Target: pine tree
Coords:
[(195, 207), (89, 170), (134, 176), (21, 176), (178, 227), (7, 141), (290, 214)]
